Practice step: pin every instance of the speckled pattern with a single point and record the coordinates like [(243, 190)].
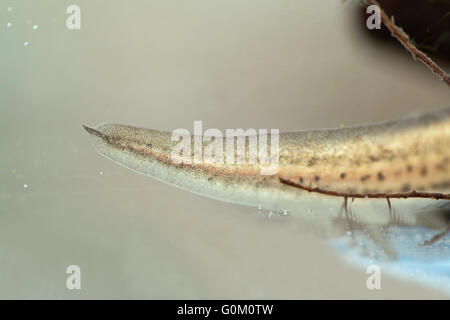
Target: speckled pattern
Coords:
[(411, 154)]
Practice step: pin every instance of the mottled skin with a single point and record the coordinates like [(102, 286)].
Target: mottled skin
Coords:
[(392, 157), (403, 157)]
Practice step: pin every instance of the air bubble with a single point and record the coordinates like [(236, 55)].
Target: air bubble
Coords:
[(26, 43), (25, 186), (35, 27), (259, 210), (8, 25), (10, 9)]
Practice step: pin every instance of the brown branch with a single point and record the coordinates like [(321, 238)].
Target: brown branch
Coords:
[(403, 38), (400, 195)]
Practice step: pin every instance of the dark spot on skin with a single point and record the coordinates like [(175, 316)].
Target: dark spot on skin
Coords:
[(312, 162), (365, 177), (409, 168), (380, 176), (406, 187), (441, 185), (301, 180), (390, 155), (317, 178), (440, 167), (374, 159), (424, 171), (343, 174)]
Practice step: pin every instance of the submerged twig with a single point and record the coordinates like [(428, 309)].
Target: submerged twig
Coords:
[(398, 195), (403, 38)]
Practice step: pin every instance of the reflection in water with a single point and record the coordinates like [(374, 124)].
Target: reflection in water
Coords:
[(400, 250)]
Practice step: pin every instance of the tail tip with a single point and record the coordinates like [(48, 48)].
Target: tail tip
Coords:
[(92, 131)]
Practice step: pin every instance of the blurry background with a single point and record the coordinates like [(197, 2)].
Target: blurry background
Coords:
[(288, 64)]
